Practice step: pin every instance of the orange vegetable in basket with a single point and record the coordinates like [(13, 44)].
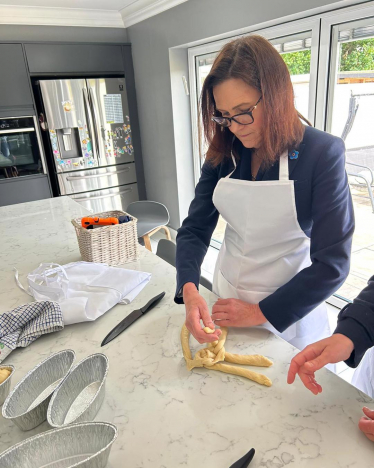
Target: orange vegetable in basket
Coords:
[(88, 221)]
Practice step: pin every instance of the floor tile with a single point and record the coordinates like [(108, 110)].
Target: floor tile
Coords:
[(362, 263), (364, 217), (348, 292), (356, 281)]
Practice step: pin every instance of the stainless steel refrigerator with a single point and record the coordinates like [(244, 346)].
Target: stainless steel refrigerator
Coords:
[(90, 133)]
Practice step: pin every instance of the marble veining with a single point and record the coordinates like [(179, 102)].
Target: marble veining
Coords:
[(168, 417)]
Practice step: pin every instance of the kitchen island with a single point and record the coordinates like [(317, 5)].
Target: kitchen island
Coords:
[(166, 416)]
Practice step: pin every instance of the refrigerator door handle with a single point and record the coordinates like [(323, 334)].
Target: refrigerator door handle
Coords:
[(110, 195), (99, 129), (107, 174), (91, 128)]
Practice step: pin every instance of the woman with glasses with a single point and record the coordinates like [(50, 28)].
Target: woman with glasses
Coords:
[(282, 188)]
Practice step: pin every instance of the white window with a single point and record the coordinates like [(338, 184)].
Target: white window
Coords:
[(347, 54)]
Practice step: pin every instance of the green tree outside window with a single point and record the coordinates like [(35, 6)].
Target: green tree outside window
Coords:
[(354, 56)]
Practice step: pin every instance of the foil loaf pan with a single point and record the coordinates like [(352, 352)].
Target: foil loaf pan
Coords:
[(84, 445), (81, 393), (5, 386), (27, 404)]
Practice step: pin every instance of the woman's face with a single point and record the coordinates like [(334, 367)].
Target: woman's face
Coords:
[(234, 96)]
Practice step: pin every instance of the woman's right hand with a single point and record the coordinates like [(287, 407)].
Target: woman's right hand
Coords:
[(196, 310)]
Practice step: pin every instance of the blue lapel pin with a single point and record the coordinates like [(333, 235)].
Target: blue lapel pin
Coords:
[(294, 154)]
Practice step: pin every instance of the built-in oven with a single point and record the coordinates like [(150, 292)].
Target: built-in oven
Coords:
[(21, 151)]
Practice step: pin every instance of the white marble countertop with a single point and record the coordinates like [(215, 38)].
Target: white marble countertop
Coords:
[(168, 417)]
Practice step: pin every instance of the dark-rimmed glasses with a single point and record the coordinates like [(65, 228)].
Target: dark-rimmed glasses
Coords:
[(245, 118)]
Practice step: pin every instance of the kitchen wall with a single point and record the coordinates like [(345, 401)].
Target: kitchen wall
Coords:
[(20, 33), (168, 171)]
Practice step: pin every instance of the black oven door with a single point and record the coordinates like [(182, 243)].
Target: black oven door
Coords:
[(20, 151)]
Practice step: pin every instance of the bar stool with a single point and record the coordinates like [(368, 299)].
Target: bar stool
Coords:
[(152, 216)]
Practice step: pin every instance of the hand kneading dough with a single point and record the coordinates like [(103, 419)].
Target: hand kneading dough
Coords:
[(212, 356)]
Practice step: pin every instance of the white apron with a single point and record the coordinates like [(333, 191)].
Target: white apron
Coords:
[(84, 290), (264, 247)]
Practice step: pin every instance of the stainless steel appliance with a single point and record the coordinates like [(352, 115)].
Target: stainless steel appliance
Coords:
[(90, 134), (21, 152)]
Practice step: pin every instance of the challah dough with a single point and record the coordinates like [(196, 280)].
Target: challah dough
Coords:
[(212, 356), (4, 374)]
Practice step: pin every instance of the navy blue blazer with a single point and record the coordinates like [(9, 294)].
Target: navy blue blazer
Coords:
[(356, 321), (324, 212)]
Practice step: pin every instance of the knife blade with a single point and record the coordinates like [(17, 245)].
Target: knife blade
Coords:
[(244, 461), (131, 318)]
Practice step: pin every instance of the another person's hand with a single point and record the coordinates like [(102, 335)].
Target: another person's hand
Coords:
[(366, 424), (331, 350), (196, 310), (237, 313)]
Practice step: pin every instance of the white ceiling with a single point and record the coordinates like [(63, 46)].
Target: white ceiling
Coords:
[(86, 4), (99, 13)]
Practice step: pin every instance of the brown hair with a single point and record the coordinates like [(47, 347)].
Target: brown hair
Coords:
[(255, 61)]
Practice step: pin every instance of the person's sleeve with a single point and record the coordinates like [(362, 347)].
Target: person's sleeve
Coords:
[(331, 239), (194, 236), (356, 321)]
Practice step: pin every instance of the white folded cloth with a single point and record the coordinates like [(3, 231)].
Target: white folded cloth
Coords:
[(84, 290)]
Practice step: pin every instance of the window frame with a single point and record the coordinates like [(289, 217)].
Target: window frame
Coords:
[(328, 57)]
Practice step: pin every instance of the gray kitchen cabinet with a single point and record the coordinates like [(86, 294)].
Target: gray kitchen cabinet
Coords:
[(15, 90), (74, 58), (24, 189)]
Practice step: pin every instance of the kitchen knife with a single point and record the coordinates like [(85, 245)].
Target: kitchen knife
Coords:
[(131, 318), (244, 461)]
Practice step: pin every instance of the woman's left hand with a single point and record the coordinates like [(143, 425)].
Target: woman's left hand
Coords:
[(236, 313)]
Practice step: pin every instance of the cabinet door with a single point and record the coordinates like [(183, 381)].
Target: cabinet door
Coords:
[(14, 81), (24, 189), (74, 58)]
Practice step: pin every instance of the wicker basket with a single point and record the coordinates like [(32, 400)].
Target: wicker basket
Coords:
[(113, 245)]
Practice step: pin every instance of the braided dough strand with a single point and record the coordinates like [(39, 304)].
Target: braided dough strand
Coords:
[(248, 374), (249, 360), (212, 356)]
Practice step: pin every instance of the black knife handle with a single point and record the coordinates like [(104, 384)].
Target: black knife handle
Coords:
[(152, 303), (244, 461)]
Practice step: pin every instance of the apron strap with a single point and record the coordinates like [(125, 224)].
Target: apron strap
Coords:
[(46, 273), (232, 172), (233, 160), (283, 166), (19, 284), (52, 271)]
